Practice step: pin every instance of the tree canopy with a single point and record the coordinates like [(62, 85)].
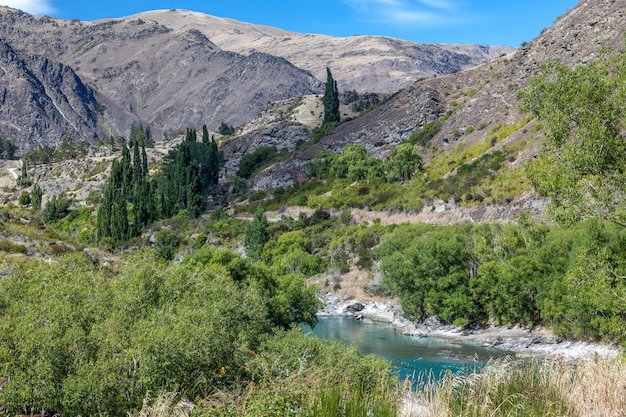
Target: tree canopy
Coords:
[(582, 166)]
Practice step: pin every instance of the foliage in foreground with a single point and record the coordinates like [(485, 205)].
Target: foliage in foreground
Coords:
[(534, 388), (582, 166), (305, 377), (79, 339)]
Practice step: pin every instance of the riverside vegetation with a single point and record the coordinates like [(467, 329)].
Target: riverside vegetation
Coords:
[(110, 324)]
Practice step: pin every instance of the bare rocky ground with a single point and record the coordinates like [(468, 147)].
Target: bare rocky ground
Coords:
[(435, 212)]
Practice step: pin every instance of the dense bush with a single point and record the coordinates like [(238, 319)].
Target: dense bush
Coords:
[(79, 339), (530, 274), (250, 162)]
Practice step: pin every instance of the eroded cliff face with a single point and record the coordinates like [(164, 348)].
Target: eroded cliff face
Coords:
[(42, 100)]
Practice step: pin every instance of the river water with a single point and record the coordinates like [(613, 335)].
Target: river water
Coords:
[(409, 355)]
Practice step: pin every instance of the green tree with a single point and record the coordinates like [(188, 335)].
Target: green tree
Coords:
[(191, 135), (205, 134), (190, 172), (7, 149), (404, 162), (256, 234), (355, 164), (252, 161), (166, 243), (290, 254), (36, 196), (581, 167), (225, 129), (331, 100), (25, 199), (22, 180), (431, 269), (56, 208)]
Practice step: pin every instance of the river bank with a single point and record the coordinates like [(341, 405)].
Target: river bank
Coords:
[(522, 341)]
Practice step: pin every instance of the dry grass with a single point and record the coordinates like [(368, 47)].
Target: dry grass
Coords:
[(505, 388), (164, 405), (598, 388), (537, 388)]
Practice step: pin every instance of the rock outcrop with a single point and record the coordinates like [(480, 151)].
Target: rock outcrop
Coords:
[(42, 100)]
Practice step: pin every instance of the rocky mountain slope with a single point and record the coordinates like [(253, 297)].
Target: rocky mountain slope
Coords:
[(165, 70), (42, 100), (361, 63), (480, 100), (145, 72)]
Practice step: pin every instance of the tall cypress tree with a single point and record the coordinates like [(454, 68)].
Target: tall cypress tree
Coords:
[(144, 161), (331, 99), (205, 134), (191, 135), (215, 162), (127, 172), (119, 218), (105, 215), (148, 135), (137, 165)]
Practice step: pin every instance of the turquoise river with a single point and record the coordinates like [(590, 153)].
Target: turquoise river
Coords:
[(409, 355)]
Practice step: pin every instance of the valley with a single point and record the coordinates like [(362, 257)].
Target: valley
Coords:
[(180, 193)]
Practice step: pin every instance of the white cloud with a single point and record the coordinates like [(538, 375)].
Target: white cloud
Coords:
[(424, 12), (408, 16), (438, 4), (38, 7)]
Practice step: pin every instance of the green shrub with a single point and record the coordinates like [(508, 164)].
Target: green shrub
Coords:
[(166, 243), (253, 161)]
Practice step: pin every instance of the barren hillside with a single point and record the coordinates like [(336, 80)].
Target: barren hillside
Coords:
[(361, 63), (145, 72), (479, 99)]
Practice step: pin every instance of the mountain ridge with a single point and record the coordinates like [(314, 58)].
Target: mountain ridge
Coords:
[(154, 75), (473, 107), (360, 62)]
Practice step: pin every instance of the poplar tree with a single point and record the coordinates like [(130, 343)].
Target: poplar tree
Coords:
[(36, 196), (144, 161), (331, 100), (205, 134), (126, 172), (257, 234)]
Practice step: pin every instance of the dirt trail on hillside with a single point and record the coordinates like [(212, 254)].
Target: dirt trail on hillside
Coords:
[(437, 212), (8, 173)]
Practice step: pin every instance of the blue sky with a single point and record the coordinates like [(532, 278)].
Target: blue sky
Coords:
[(493, 22)]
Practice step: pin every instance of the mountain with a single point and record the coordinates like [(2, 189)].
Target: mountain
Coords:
[(176, 69), (481, 104), (42, 100), (143, 72), (362, 63)]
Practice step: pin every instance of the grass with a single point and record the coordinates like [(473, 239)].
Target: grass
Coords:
[(509, 388), (529, 389)]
